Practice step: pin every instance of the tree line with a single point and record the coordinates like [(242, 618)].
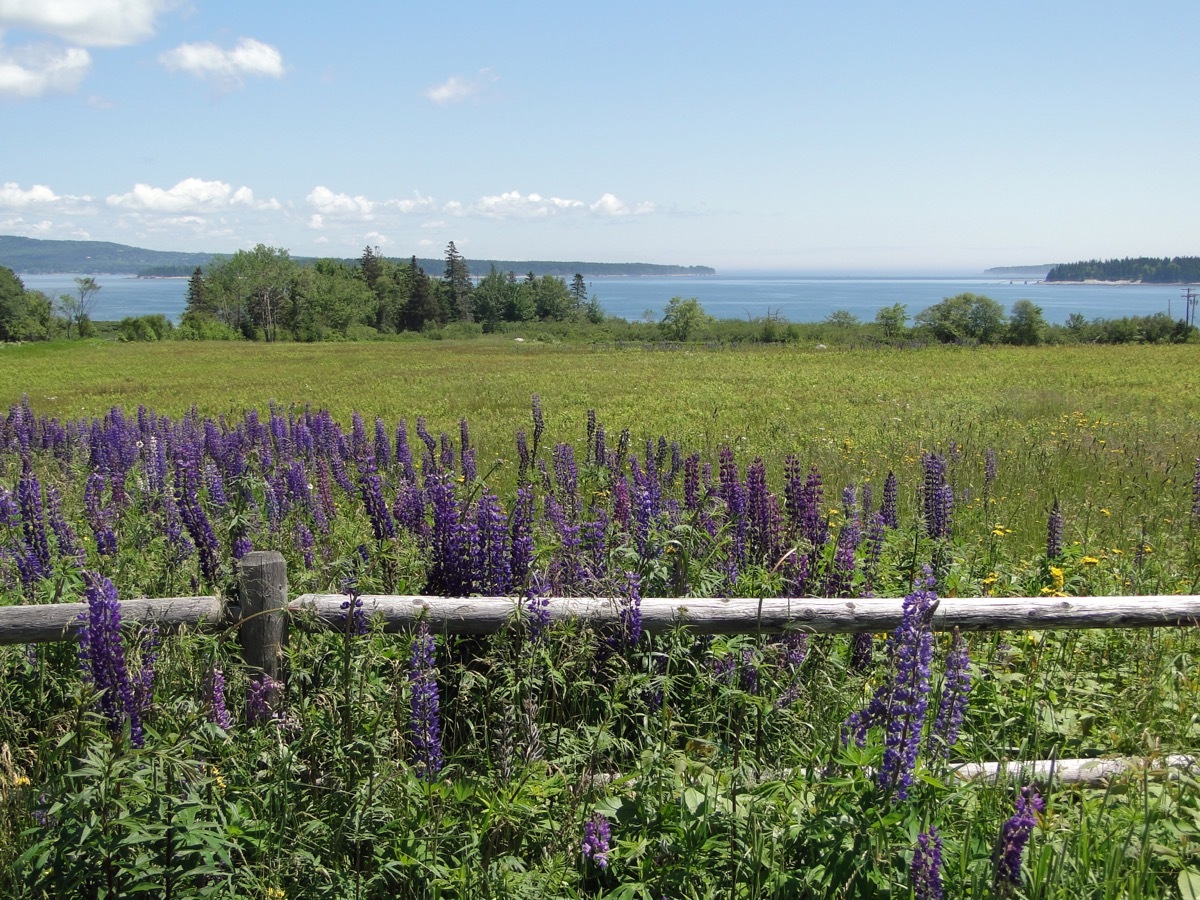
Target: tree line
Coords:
[(263, 294), (1146, 269)]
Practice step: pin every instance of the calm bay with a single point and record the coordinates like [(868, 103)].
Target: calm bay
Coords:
[(795, 298)]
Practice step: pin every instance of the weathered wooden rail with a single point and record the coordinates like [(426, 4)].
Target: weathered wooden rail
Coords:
[(265, 611)]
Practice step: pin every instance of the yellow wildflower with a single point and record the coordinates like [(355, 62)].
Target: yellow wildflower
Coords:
[(1056, 575), (1089, 560)]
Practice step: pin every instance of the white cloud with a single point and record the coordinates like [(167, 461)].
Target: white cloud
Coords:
[(376, 239), (13, 196), (38, 69), (456, 88), (515, 205), (316, 221), (94, 23), (189, 195), (227, 67), (327, 203)]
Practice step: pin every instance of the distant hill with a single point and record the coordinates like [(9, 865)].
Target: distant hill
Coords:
[(1038, 272), (1144, 269), (34, 256)]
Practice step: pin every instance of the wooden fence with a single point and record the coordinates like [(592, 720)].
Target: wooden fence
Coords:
[(264, 613)]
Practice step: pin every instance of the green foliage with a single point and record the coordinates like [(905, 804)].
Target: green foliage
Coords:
[(24, 315), (145, 328), (964, 318), (683, 319), (1026, 325), (1148, 270)]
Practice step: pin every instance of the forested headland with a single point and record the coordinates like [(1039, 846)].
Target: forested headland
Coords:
[(1144, 269)]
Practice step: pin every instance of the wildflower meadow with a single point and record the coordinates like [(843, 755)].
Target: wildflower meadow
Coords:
[(561, 758)]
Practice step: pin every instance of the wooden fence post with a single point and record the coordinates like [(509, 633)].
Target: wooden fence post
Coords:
[(262, 575)]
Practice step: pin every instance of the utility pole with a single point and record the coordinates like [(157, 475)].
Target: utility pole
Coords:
[(1189, 306)]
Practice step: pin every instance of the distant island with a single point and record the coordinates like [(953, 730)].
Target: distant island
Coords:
[(40, 257), (1038, 272), (1142, 269)]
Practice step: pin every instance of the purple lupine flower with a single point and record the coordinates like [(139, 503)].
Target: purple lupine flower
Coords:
[(33, 516), (217, 713), (926, 869), (989, 466), (261, 695), (383, 446), (643, 521), (815, 525), (450, 571), (102, 655), (429, 457), (302, 537), (493, 572), (194, 518), (600, 454), (1054, 532), (875, 538), (537, 607), (10, 513), (215, 485), (566, 475), (956, 687), (465, 451), (597, 835), (404, 461), (890, 497), (630, 612), (241, 546), (565, 567), (522, 536), (447, 452), (862, 650), (143, 685), (68, 544), (621, 506), (371, 489), (901, 703), (909, 701), (1014, 835), (937, 500), (591, 437), (426, 714), (691, 483), (762, 530)]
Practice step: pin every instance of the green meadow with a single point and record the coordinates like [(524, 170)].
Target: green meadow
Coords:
[(580, 761)]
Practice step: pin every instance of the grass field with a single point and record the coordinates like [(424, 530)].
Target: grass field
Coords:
[(572, 762)]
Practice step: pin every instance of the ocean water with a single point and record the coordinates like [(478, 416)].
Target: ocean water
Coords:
[(794, 298)]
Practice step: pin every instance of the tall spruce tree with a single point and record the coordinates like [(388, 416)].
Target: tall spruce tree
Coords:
[(458, 283)]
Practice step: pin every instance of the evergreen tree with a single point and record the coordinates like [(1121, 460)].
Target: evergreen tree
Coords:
[(195, 294), (458, 284)]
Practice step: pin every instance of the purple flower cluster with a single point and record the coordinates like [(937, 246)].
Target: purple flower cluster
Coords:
[(956, 687), (926, 869), (1014, 835), (938, 496), (597, 837), (217, 712), (426, 714), (102, 656), (901, 703), (261, 696)]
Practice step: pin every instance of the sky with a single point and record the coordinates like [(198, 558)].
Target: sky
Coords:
[(796, 136)]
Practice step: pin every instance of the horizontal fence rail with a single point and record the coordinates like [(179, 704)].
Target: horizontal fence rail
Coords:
[(483, 615), (61, 621)]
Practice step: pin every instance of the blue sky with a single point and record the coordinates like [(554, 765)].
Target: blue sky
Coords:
[(857, 137)]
